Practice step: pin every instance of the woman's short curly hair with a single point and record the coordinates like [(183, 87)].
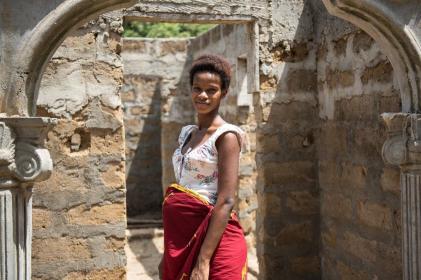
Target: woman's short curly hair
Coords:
[(214, 64)]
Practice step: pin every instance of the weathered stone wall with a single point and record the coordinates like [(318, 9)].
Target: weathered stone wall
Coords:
[(360, 196), (79, 214), (234, 41), (287, 118), (152, 88)]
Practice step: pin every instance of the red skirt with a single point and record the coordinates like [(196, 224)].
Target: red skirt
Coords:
[(186, 217)]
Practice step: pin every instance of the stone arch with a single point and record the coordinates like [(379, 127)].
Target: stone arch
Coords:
[(47, 36), (394, 31)]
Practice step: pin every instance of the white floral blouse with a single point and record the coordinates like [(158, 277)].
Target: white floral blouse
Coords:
[(197, 169)]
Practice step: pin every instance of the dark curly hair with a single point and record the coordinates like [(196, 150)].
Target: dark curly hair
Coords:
[(214, 64)]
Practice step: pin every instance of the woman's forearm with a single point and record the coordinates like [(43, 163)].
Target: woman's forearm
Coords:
[(218, 222)]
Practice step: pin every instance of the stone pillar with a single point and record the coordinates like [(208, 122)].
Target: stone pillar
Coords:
[(403, 148), (23, 161)]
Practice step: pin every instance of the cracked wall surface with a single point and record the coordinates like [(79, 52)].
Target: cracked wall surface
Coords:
[(79, 214)]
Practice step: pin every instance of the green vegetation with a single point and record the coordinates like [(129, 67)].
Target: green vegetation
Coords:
[(164, 30)]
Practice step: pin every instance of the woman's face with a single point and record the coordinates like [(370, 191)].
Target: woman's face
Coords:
[(206, 92)]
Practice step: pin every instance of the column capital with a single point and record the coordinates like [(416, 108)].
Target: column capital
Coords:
[(22, 156)]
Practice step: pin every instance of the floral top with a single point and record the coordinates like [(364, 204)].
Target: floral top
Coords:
[(197, 169)]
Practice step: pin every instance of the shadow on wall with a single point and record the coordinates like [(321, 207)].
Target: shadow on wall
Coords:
[(288, 219), (142, 109)]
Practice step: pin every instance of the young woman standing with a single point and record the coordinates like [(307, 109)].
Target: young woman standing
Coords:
[(202, 237)]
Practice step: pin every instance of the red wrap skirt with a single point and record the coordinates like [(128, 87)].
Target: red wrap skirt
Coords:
[(186, 216)]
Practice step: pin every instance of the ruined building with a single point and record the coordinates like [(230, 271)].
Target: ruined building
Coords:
[(327, 92)]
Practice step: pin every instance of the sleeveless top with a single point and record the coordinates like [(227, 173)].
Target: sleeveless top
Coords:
[(197, 169)]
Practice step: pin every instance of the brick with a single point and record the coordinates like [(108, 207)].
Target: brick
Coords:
[(41, 218), (99, 274), (114, 176), (357, 108), (340, 46), (289, 172), (339, 78), (336, 205), (97, 215), (303, 202), (359, 247), (390, 180), (59, 249), (380, 73), (173, 47), (375, 215), (296, 234), (333, 141), (349, 273), (301, 80), (305, 265), (294, 110)]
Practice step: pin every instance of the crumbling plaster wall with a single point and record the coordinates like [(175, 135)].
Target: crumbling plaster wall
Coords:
[(360, 196), (156, 105), (79, 214)]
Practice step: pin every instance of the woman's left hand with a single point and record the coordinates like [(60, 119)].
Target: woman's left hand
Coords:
[(200, 271)]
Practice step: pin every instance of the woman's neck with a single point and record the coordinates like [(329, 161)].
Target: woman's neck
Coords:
[(207, 120)]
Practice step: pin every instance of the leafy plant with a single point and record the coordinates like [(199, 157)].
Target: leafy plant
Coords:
[(164, 30)]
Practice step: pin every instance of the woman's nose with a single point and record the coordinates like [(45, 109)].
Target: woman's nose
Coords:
[(203, 94)]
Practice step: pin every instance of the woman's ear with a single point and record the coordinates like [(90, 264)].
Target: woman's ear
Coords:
[(224, 92)]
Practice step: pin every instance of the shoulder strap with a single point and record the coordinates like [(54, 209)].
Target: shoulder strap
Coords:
[(230, 128), (185, 132)]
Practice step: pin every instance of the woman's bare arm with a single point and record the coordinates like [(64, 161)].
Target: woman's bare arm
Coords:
[(228, 157)]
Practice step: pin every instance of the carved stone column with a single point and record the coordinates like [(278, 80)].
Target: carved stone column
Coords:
[(403, 148), (23, 161)]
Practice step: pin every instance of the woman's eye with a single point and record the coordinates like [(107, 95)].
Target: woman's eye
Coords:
[(211, 91), (196, 89)]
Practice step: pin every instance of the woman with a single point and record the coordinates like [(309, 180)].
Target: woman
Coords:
[(202, 237)]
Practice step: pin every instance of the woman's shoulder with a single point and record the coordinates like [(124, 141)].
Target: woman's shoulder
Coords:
[(229, 127)]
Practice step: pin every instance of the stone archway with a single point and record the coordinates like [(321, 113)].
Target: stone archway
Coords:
[(396, 28)]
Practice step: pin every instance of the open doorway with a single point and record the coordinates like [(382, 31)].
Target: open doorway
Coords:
[(156, 104)]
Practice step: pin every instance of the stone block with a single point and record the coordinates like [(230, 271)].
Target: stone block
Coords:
[(303, 202), (293, 110), (340, 46), (350, 273), (173, 47), (339, 78), (390, 180), (333, 141), (377, 215), (305, 266), (296, 234), (380, 73), (41, 218), (98, 274), (96, 215), (62, 249), (293, 172), (359, 247), (336, 205), (114, 176), (301, 80)]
